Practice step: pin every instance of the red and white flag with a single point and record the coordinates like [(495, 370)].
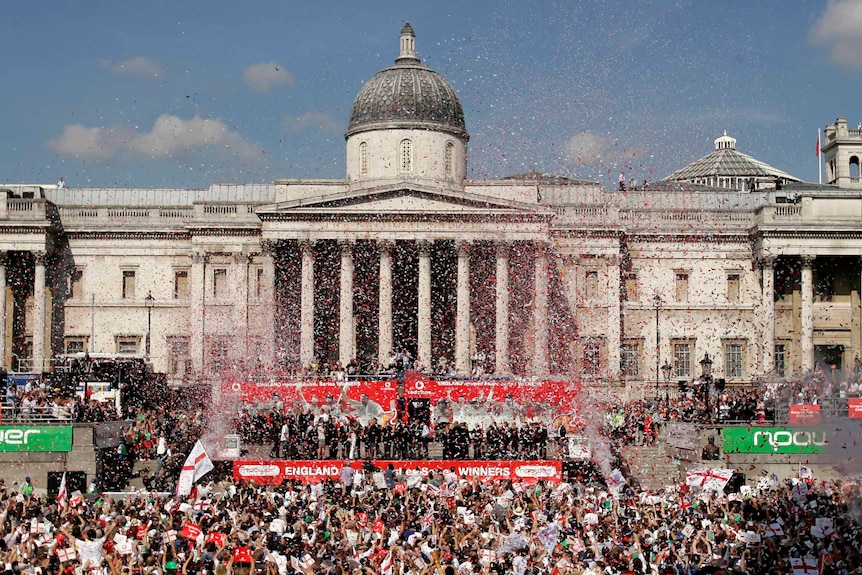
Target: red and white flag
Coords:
[(63, 494), (817, 148), (708, 478), (196, 466), (804, 565), (386, 564)]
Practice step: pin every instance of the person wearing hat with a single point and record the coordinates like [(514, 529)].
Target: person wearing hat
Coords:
[(27, 488)]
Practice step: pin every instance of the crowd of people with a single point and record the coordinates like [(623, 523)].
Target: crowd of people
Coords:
[(374, 522)]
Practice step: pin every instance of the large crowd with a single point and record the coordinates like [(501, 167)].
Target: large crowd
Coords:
[(374, 522)]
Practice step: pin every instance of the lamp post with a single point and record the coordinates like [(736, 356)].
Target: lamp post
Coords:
[(706, 374), (148, 301), (658, 303)]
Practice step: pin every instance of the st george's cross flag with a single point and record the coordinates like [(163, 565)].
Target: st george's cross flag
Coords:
[(196, 466), (708, 478), (63, 494)]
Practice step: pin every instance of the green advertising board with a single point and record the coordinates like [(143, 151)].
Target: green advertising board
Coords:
[(42, 438), (773, 440)]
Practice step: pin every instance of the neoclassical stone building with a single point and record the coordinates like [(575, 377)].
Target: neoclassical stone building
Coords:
[(532, 275)]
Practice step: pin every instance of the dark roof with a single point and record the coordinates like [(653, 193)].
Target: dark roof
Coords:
[(408, 95), (552, 179)]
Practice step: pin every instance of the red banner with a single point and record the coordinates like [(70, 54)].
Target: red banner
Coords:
[(190, 530), (474, 402), (804, 414), (273, 472), (854, 407)]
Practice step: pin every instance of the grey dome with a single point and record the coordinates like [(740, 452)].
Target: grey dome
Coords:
[(408, 95)]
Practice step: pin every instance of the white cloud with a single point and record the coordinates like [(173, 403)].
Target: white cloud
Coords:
[(265, 77), (840, 29), (170, 136), (138, 66), (315, 120), (587, 148)]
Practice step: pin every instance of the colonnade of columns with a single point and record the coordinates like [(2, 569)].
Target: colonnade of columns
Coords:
[(806, 320), (39, 310), (347, 321)]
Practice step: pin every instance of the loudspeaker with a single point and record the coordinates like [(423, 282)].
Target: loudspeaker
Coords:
[(75, 481), (737, 480)]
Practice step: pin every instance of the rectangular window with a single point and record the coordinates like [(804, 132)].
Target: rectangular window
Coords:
[(733, 359), (733, 288), (591, 285), (632, 287), (629, 355), (592, 357), (181, 284), (682, 353), (128, 344), (75, 344), (179, 362), (219, 282), (682, 287), (780, 359), (258, 283), (76, 283), (128, 284), (218, 349)]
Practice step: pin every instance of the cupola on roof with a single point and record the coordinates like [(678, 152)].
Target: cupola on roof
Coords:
[(726, 161), (408, 95)]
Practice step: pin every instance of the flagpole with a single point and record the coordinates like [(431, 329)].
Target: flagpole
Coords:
[(819, 162)]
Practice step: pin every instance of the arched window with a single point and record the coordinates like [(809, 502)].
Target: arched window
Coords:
[(363, 158), (406, 156), (450, 163), (854, 167)]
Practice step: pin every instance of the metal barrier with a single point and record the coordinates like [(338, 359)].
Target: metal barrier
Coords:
[(20, 414)]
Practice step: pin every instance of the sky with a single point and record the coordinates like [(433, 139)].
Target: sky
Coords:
[(163, 94)]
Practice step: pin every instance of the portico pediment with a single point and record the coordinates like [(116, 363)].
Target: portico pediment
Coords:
[(402, 201)]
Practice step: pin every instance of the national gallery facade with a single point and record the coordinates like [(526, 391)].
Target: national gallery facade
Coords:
[(533, 275)]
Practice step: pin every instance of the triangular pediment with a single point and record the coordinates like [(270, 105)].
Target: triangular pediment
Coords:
[(402, 200)]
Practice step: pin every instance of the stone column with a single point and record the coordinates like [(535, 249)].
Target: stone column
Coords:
[(39, 312), (197, 287), (3, 310), (462, 314), (806, 344), (267, 300), (240, 306), (767, 318), (345, 331), (384, 322), (306, 314), (501, 348), (613, 319), (423, 319), (540, 311)]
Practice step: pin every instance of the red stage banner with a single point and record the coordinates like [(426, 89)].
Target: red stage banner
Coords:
[(274, 471), (804, 414), (854, 407), (474, 402)]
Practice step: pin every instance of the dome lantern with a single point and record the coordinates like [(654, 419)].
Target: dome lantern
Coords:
[(408, 46)]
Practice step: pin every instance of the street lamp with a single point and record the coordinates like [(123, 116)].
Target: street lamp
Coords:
[(706, 374), (658, 303), (148, 301)]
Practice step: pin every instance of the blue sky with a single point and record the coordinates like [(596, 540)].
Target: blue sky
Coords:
[(184, 94)]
